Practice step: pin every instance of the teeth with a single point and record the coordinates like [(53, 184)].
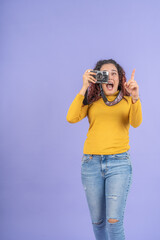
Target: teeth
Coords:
[(110, 84)]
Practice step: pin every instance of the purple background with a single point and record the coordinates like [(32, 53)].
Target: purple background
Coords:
[(46, 46)]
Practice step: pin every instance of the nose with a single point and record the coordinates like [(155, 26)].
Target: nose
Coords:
[(110, 76)]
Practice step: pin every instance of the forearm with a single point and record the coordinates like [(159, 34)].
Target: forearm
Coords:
[(83, 91), (135, 115), (76, 110)]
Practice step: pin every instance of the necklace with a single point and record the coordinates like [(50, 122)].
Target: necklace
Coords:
[(108, 103), (111, 103)]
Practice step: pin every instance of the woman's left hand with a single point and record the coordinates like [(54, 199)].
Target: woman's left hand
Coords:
[(132, 87)]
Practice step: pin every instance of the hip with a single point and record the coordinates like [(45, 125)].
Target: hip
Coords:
[(120, 162)]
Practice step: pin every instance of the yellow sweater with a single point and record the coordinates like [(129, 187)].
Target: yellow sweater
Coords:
[(108, 131)]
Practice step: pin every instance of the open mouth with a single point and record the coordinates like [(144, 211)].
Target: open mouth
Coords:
[(109, 86)]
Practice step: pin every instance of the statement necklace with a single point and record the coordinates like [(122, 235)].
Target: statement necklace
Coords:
[(111, 103), (108, 103)]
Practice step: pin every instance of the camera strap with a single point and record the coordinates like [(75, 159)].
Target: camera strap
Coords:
[(115, 101), (108, 103)]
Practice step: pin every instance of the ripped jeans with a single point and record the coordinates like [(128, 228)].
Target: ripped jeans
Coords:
[(106, 181)]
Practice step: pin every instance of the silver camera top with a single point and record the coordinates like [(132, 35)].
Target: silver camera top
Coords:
[(101, 76)]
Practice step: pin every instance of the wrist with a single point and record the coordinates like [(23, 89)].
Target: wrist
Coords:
[(83, 90), (135, 99), (84, 87)]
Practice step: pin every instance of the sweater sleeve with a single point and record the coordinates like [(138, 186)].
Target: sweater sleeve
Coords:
[(76, 110), (135, 114)]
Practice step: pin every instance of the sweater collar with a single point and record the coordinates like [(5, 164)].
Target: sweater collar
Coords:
[(113, 96)]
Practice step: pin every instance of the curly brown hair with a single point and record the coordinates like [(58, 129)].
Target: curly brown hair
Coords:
[(94, 89)]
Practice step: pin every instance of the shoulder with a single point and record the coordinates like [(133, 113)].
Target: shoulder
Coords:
[(127, 98)]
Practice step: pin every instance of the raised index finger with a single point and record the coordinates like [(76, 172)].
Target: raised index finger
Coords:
[(132, 75)]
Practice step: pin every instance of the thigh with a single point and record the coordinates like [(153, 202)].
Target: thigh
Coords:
[(117, 185), (93, 184)]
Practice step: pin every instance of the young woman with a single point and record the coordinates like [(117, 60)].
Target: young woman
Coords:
[(106, 168)]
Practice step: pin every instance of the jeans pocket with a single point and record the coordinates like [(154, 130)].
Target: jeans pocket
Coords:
[(86, 158), (124, 155)]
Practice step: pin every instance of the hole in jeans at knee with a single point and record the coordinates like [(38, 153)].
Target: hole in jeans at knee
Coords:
[(99, 222), (112, 220)]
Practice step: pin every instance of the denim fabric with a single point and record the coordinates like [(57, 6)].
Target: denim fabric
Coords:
[(106, 181)]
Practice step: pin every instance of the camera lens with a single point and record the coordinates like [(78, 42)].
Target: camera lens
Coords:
[(99, 76)]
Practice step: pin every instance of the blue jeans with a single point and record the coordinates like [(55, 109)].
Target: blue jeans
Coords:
[(106, 181)]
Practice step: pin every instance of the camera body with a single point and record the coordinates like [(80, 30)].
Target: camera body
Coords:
[(101, 76)]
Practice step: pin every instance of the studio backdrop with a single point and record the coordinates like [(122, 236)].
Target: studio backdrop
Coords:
[(45, 48)]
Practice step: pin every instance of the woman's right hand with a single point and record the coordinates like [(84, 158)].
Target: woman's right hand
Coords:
[(87, 78)]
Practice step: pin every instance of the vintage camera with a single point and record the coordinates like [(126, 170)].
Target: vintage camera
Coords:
[(101, 76)]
